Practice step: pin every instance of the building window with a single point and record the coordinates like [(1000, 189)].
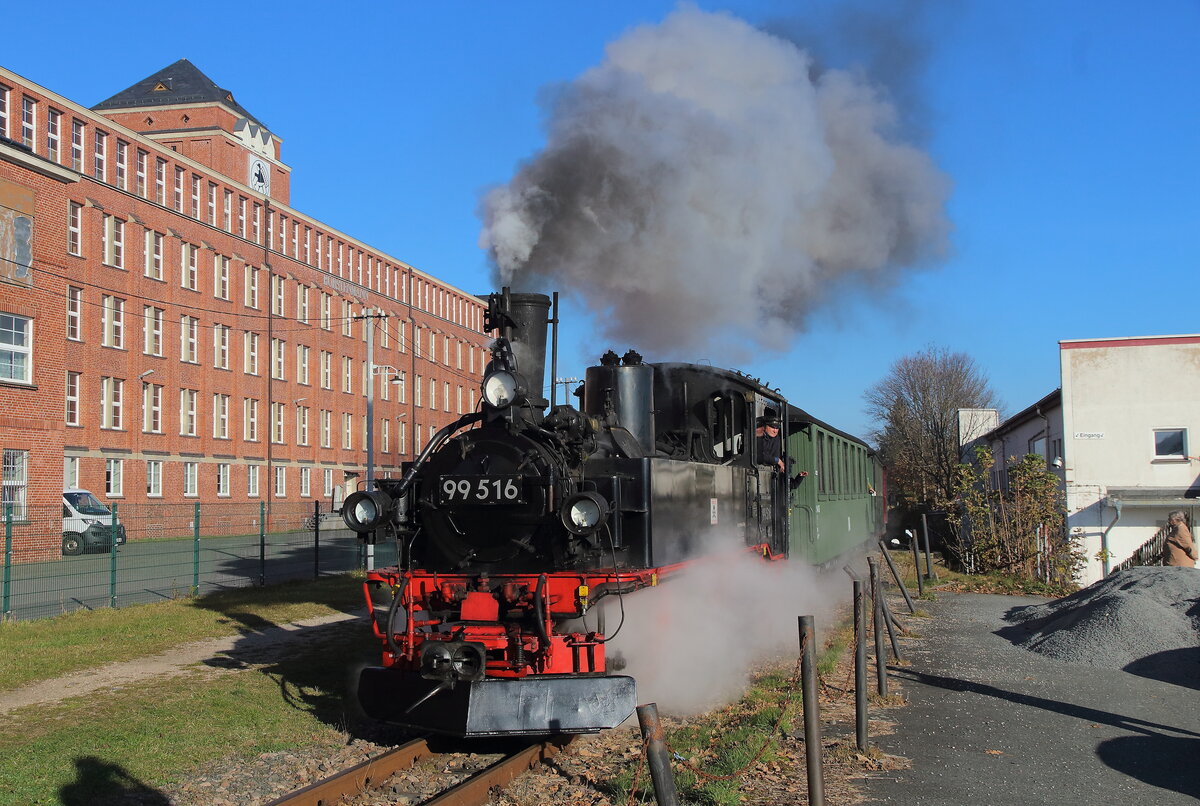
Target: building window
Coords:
[(70, 471), (326, 428), (305, 482), (139, 172), (417, 392), (114, 477), (160, 180), (154, 469), (220, 416), (1170, 443), (113, 241), (212, 203), (72, 413), (122, 164), (327, 483), (187, 266), (16, 348), (152, 408), (221, 346), (154, 254), (302, 304), (280, 482), (251, 296), (250, 419), (77, 131), (112, 317), (301, 364), (74, 228), (326, 369), (191, 472), (53, 134), (189, 327), (178, 194), (221, 277), (16, 483), (347, 374), (195, 197), (385, 435), (152, 336), (187, 412), (302, 425), (252, 481), (250, 354), (241, 218), (347, 318), (28, 121), (227, 211), (100, 155), (277, 423), (278, 347), (325, 312), (222, 480), (348, 431), (112, 391)]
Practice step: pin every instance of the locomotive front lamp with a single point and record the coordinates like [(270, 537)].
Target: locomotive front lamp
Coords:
[(366, 510), (583, 513), (501, 388)]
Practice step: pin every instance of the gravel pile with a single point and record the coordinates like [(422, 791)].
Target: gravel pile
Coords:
[(1144, 615)]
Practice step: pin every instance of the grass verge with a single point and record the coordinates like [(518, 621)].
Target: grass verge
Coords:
[(71, 642)]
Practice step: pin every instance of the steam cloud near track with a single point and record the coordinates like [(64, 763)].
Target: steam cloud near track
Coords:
[(708, 187)]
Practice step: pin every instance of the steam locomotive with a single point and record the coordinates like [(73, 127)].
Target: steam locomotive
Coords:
[(516, 521)]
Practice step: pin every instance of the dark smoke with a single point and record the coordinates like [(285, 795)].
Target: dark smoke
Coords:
[(707, 187)]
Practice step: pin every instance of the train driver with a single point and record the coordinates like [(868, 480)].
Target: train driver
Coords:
[(770, 444)]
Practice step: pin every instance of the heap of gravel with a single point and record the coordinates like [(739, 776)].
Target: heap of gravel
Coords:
[(1144, 616)]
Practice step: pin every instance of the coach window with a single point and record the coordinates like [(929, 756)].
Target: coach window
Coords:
[(1170, 445)]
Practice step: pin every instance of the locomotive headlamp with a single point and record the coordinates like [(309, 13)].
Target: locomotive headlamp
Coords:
[(365, 511), (583, 513), (453, 660), (501, 388)]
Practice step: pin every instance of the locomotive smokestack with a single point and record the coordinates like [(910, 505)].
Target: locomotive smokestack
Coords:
[(522, 319)]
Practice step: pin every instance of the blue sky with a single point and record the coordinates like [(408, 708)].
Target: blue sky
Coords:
[(1068, 130)]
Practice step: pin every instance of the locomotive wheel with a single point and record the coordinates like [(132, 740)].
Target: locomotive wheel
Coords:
[(72, 544)]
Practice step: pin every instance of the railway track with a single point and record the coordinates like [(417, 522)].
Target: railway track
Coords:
[(382, 779)]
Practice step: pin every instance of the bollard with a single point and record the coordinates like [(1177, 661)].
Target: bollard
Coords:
[(891, 623), (316, 539), (896, 575), (812, 714), (881, 684), (657, 757), (860, 666), (917, 563), (928, 561)]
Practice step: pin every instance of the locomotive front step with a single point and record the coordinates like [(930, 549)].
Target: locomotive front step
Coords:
[(533, 706)]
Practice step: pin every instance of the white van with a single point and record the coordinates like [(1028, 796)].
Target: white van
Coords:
[(87, 524)]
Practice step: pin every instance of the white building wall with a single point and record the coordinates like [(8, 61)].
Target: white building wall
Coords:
[(1116, 392)]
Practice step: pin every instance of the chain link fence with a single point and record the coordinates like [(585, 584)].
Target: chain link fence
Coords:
[(88, 556)]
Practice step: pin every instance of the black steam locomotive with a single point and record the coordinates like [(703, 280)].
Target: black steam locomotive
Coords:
[(515, 521)]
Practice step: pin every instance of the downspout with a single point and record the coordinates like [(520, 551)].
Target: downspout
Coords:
[(1116, 504)]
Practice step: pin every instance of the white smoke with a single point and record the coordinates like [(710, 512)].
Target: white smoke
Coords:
[(691, 642), (705, 186)]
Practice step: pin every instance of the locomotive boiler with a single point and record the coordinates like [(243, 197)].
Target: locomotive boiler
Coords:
[(517, 519)]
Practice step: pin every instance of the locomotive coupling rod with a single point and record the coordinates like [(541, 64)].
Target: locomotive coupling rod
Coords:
[(658, 758), (812, 714), (896, 575)]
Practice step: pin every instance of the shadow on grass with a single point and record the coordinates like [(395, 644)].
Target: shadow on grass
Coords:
[(101, 783)]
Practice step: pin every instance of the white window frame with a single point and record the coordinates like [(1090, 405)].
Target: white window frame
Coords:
[(154, 473), (72, 398), (16, 348), (222, 480), (187, 412), (191, 479), (252, 481), (114, 478)]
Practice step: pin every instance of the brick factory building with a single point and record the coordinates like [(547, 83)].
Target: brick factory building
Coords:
[(171, 329)]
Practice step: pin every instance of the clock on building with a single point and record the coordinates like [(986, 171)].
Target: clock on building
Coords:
[(259, 175)]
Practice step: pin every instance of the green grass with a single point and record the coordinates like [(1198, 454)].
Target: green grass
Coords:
[(56, 646), (950, 580), (153, 733)]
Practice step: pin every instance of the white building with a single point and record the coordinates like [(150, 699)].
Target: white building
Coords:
[(1119, 434)]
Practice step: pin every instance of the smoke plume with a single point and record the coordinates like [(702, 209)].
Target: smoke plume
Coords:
[(707, 186), (691, 642)]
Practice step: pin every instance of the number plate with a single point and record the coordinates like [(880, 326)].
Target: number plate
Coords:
[(480, 490)]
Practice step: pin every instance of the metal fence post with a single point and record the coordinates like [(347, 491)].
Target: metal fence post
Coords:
[(196, 549), (812, 716), (112, 558), (860, 666), (917, 562), (8, 515), (316, 539), (928, 561), (658, 757), (262, 543), (881, 683)]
